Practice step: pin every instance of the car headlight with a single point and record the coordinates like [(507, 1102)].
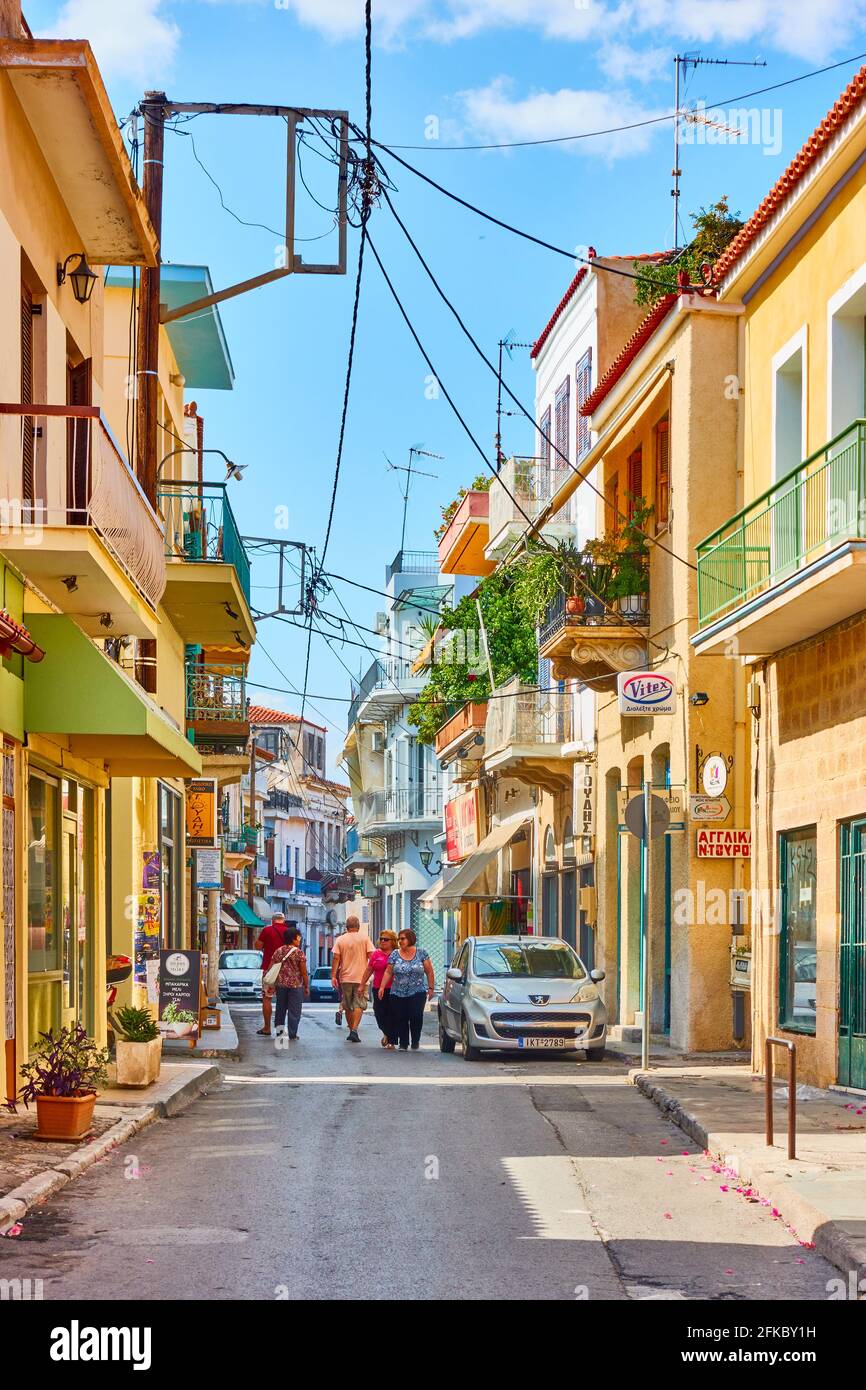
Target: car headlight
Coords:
[(486, 994), (222, 978), (587, 994)]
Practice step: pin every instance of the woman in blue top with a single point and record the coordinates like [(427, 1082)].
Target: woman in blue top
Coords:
[(409, 977)]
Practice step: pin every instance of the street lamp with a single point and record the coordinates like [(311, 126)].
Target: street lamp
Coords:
[(82, 277)]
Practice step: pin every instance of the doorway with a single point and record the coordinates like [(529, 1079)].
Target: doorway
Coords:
[(852, 957)]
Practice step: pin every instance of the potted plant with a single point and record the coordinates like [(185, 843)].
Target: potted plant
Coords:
[(138, 1046), (62, 1077), (630, 584)]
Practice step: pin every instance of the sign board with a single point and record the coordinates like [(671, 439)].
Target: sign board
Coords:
[(201, 813), (586, 801), (709, 808), (646, 692), (179, 993), (659, 817), (724, 844), (462, 828), (208, 869), (715, 775)]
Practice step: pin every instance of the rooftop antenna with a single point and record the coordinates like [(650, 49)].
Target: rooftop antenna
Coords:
[(682, 63), (506, 344), (415, 451)]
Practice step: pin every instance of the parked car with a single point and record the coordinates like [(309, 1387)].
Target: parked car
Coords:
[(240, 975), (320, 985), (516, 993)]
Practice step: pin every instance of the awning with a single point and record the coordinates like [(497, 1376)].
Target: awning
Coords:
[(263, 909), (241, 908), (227, 920), (457, 887), (428, 899), (79, 692)]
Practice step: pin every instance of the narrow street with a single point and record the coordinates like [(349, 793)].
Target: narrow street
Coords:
[(328, 1170)]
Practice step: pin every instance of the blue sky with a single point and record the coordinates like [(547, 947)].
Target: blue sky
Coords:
[(485, 70)]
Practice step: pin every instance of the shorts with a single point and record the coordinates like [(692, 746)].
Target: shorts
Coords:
[(354, 996)]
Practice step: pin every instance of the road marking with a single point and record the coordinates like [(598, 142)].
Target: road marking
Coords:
[(231, 1126), (547, 1186), (649, 1293), (236, 1151), (359, 1079), (175, 1235)]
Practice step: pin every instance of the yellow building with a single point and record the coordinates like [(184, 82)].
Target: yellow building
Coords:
[(781, 590)]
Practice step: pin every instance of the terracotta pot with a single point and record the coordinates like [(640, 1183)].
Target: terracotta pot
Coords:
[(574, 604), (138, 1063), (64, 1117)]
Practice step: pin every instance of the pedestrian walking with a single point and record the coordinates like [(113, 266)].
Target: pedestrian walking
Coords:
[(349, 964), (409, 977), (376, 967), (270, 939), (293, 982)]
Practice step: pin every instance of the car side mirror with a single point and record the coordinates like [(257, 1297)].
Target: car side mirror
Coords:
[(452, 973), (596, 976)]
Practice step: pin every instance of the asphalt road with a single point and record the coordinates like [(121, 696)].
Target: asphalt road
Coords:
[(330, 1170)]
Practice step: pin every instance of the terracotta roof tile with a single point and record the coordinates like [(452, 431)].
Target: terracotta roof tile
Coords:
[(259, 714), (629, 352), (784, 186)]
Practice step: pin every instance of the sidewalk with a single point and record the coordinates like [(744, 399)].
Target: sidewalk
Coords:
[(31, 1170), (214, 1042), (822, 1193)]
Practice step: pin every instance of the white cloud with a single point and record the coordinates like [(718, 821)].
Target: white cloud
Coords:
[(133, 39), (493, 114), (623, 63)]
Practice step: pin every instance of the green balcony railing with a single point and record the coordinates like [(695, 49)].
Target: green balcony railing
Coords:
[(200, 526), (216, 694), (816, 507)]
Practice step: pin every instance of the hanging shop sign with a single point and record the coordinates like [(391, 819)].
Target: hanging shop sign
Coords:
[(586, 807), (646, 693), (208, 869), (180, 974), (714, 775), (724, 844), (709, 808), (201, 813), (462, 828)]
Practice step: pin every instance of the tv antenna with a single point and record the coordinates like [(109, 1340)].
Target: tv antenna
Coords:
[(415, 451), (506, 344), (682, 63)]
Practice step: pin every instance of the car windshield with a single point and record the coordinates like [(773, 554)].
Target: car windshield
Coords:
[(535, 959), (241, 960), (322, 973)]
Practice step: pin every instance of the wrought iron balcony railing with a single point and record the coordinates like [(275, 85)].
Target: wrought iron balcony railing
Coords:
[(518, 715)]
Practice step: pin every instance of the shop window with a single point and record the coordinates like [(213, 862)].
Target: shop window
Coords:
[(798, 942), (171, 867)]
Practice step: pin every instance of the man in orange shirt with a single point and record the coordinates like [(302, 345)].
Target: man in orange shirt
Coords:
[(349, 960)]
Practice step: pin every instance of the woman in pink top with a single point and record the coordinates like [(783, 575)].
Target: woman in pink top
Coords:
[(376, 967)]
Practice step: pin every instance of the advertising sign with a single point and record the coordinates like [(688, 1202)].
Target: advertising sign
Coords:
[(150, 872), (179, 993), (586, 806), (713, 808), (208, 868), (147, 906), (724, 844), (201, 812), (715, 775), (646, 692), (462, 831)]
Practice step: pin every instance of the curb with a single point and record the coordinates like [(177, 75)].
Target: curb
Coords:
[(15, 1204), (836, 1245)]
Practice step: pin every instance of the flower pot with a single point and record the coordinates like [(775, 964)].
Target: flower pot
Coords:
[(138, 1063), (632, 605), (574, 605), (64, 1117)]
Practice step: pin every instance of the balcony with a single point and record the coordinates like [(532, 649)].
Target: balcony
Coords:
[(74, 519), (282, 883), (385, 685), (531, 483), (234, 842), (207, 591), (425, 562), (407, 808), (530, 735), (598, 643), (360, 849), (793, 562), (309, 886), (462, 736), (461, 548), (288, 802), (216, 707)]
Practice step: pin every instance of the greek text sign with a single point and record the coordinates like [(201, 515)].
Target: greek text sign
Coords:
[(724, 844), (646, 693)]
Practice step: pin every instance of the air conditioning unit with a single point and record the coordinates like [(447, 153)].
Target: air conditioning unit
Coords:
[(589, 904), (378, 741)]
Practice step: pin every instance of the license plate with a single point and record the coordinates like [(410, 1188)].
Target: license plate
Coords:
[(541, 1042)]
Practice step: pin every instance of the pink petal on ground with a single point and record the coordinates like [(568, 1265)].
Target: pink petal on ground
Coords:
[(722, 1187), (668, 1216), (729, 1271), (664, 1141)]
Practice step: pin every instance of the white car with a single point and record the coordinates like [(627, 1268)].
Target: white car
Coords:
[(240, 975)]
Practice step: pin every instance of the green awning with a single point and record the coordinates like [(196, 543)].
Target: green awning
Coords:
[(242, 909), (77, 691)]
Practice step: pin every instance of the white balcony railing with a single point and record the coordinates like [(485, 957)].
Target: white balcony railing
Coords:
[(517, 715), (531, 483), (61, 467)]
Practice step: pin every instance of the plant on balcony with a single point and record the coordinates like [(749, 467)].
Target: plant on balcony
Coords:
[(715, 226), (479, 484)]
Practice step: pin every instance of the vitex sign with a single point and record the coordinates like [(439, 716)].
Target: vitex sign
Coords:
[(646, 693)]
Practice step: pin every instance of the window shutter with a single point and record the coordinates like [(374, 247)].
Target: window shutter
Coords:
[(663, 474), (583, 387), (635, 480), (560, 436), (544, 444), (27, 421)]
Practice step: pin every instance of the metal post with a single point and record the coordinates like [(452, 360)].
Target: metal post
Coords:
[(212, 984), (647, 912), (792, 1092)]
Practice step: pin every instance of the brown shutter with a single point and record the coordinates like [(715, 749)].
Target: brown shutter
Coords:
[(583, 387), (27, 421), (78, 392), (663, 474), (560, 425), (635, 480)]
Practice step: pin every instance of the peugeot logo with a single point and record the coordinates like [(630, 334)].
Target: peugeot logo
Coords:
[(539, 998)]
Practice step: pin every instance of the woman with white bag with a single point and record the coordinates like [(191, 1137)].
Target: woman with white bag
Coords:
[(292, 981)]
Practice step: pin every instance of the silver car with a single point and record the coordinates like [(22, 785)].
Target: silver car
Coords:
[(240, 975), (510, 993)]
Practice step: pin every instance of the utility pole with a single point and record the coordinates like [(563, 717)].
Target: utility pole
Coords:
[(251, 872), (646, 977), (505, 344), (414, 451), (153, 110)]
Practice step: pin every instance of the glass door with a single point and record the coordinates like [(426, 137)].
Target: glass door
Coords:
[(69, 909), (852, 957), (44, 973)]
